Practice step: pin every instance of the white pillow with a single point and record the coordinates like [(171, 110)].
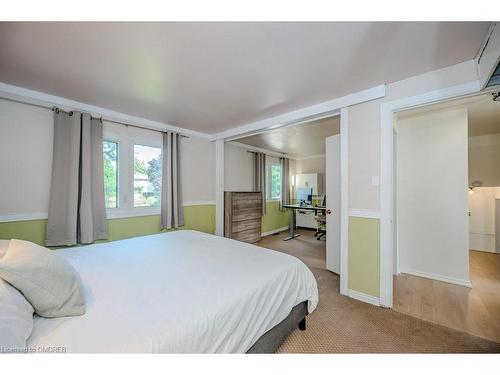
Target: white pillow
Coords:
[(46, 280), (4, 245), (16, 318)]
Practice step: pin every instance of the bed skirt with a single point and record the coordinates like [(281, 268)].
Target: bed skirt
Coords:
[(270, 341)]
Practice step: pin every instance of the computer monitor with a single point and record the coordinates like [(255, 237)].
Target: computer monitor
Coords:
[(304, 195)]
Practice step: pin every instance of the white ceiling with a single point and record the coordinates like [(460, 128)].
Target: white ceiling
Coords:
[(307, 139), (212, 77), (483, 113)]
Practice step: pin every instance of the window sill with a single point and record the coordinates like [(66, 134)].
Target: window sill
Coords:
[(117, 213)]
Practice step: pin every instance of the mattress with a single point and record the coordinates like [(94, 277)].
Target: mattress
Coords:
[(177, 292)]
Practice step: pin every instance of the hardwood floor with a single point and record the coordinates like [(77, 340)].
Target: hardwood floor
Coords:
[(473, 310)]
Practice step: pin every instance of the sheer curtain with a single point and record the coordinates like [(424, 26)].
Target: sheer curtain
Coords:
[(259, 177), (172, 213), (77, 212), (285, 181)]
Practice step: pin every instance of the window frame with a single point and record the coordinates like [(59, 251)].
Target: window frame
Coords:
[(126, 137), (270, 162)]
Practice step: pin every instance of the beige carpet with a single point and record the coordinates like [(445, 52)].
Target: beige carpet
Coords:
[(344, 325)]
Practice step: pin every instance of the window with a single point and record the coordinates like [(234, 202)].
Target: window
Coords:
[(273, 170), (147, 176), (110, 161), (132, 161)]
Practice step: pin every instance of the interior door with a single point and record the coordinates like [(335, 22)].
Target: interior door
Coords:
[(332, 190)]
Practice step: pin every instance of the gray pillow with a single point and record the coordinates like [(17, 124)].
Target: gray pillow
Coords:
[(46, 280)]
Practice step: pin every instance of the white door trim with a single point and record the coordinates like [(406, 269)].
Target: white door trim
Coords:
[(344, 201), (387, 111), (219, 187)]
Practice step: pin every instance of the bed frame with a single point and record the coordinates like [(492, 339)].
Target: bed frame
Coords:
[(270, 341)]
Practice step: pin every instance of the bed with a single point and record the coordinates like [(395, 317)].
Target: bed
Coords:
[(181, 292)]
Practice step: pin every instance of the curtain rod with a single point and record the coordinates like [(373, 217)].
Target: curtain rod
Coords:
[(53, 108), (258, 152)]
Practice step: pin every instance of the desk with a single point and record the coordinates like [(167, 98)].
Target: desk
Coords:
[(293, 208)]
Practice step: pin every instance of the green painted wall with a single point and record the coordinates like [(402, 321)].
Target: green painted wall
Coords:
[(274, 217), (31, 230), (201, 218), (364, 255)]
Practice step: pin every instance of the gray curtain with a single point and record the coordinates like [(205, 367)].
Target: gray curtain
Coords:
[(259, 177), (285, 181), (172, 214), (77, 212)]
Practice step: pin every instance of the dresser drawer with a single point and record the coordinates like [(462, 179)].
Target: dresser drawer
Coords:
[(247, 214), (249, 235), (246, 197), (239, 226), (242, 205)]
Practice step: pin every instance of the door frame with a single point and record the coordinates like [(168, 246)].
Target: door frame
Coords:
[(335, 107), (387, 223), (344, 201), (343, 113)]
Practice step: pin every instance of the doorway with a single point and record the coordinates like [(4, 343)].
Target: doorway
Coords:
[(313, 150), (445, 198)]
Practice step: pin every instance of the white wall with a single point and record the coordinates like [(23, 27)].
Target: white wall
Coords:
[(484, 156), (312, 165), (26, 136), (482, 218), (364, 129), (238, 168), (432, 194), (198, 170)]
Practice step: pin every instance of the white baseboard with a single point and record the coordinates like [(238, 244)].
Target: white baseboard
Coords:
[(446, 279), (364, 297), (23, 217), (274, 231), (112, 213), (198, 203)]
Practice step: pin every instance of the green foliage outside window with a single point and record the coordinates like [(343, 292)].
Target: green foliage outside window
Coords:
[(275, 181), (110, 161), (147, 175)]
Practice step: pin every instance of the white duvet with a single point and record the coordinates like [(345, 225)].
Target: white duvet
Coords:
[(178, 292)]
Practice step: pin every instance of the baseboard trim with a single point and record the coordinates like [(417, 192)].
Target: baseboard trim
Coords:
[(274, 231), (446, 279), (198, 203), (111, 213), (23, 217), (364, 297)]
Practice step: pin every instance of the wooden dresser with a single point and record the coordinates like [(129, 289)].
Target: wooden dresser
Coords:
[(243, 216)]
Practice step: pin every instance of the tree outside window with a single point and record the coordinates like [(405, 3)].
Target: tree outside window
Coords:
[(110, 163), (275, 181), (147, 176)]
